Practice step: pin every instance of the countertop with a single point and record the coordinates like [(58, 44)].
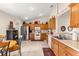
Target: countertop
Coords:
[(71, 43)]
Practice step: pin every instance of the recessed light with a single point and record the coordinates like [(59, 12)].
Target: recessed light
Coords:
[(32, 9), (40, 14), (26, 18)]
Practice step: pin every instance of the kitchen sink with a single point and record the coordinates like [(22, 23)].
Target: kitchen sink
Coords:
[(61, 38)]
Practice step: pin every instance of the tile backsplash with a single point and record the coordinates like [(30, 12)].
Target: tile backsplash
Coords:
[(70, 35)]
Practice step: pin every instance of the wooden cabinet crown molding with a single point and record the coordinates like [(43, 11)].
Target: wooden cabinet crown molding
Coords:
[(73, 4)]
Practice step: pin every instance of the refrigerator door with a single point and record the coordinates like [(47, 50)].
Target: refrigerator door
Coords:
[(37, 33)]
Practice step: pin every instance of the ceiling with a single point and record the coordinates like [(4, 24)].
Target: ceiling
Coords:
[(29, 10)]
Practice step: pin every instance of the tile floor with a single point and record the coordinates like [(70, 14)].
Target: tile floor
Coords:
[(31, 48)]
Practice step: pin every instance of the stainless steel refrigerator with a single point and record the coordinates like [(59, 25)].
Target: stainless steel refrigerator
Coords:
[(37, 33)]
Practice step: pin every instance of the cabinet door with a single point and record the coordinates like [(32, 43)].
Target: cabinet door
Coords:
[(61, 50), (32, 26), (44, 26), (71, 52), (49, 23), (77, 14), (43, 36), (52, 23), (68, 54), (52, 44), (74, 16), (31, 36), (73, 21), (55, 49)]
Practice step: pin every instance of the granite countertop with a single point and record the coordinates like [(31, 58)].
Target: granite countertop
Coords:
[(71, 43)]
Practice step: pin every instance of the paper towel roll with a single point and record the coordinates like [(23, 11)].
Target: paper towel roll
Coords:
[(74, 36)]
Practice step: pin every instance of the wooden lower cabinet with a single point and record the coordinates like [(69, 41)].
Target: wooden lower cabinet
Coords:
[(52, 44), (71, 52), (32, 36), (43, 36), (55, 47), (68, 54), (61, 49)]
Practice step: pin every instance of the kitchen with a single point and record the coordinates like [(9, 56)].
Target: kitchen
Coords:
[(57, 30)]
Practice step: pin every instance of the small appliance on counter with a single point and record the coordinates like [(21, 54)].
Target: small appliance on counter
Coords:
[(74, 36)]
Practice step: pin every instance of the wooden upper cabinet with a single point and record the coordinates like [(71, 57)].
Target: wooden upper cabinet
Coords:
[(52, 23), (32, 26), (74, 15), (44, 26)]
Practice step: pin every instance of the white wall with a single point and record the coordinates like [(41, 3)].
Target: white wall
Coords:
[(4, 22), (64, 20), (62, 7)]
